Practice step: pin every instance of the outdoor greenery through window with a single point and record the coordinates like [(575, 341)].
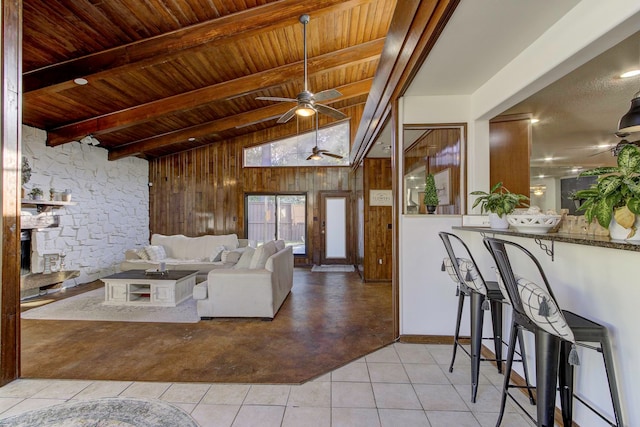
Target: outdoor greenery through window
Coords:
[(295, 150), (277, 216)]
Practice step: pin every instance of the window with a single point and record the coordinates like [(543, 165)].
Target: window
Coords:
[(277, 216), (293, 151)]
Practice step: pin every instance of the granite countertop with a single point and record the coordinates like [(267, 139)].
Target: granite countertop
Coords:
[(578, 239)]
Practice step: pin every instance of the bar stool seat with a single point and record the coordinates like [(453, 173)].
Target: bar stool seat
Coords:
[(483, 295), (557, 332)]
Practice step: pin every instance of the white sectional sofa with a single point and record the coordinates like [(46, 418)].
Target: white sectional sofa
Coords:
[(255, 287), (178, 252)]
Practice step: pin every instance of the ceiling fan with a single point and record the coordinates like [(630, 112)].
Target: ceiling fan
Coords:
[(306, 101), (615, 150), (317, 153)]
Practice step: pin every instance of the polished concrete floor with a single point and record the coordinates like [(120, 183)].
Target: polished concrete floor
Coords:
[(328, 320), (400, 385)]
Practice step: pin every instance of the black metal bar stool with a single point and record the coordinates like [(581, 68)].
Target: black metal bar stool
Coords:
[(557, 332), (483, 295)]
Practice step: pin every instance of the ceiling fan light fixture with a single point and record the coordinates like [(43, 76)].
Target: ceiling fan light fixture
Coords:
[(630, 122), (305, 110), (315, 157)]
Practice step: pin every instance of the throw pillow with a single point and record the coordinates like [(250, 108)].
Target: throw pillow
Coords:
[(262, 254), (542, 309), (245, 259), (279, 245), (231, 257), (471, 276), (156, 253), (216, 256), (142, 253)]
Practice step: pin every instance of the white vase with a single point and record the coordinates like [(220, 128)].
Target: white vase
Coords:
[(498, 222), (618, 232)]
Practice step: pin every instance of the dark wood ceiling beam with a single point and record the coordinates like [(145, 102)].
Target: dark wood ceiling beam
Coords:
[(353, 90), (170, 45), (188, 100), (414, 30)]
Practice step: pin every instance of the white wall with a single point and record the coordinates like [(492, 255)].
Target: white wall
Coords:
[(112, 204)]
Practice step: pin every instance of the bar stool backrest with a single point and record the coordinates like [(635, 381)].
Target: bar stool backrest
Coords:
[(471, 276), (539, 303)]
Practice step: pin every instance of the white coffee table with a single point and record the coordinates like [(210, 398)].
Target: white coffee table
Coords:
[(136, 287)]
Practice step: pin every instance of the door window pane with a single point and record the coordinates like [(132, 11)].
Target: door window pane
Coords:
[(278, 216)]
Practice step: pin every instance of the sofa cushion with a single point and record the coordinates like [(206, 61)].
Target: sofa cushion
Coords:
[(245, 259), (182, 247), (279, 245), (262, 254), (156, 252)]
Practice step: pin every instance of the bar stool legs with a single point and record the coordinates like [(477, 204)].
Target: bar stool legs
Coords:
[(456, 335), (586, 330), (547, 362)]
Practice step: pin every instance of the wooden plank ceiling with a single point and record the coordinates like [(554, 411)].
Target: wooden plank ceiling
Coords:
[(168, 76)]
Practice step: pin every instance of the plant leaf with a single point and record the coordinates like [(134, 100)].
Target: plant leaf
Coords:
[(624, 217), (599, 171), (629, 160), (609, 184), (603, 212), (634, 205)]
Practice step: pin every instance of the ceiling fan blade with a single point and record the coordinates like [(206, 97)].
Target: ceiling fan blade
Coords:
[(335, 156), (288, 115), (310, 156), (330, 111), (275, 98), (327, 94)]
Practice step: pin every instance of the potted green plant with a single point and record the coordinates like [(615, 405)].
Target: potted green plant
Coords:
[(498, 202), (430, 193), (36, 193), (614, 200)]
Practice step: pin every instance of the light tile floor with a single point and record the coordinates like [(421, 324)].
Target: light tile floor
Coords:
[(400, 385)]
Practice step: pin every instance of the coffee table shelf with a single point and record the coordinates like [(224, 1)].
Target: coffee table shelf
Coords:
[(134, 287)]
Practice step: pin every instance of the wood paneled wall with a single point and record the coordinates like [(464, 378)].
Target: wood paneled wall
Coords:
[(202, 191), (438, 150), (510, 149), (378, 222)]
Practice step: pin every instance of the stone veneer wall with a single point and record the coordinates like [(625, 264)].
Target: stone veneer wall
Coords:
[(112, 205)]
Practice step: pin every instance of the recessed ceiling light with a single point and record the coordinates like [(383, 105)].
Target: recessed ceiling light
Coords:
[(575, 169), (80, 81), (541, 176), (603, 145), (630, 73), (534, 121), (548, 159), (191, 139)]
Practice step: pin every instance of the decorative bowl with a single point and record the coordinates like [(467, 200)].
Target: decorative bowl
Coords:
[(534, 224)]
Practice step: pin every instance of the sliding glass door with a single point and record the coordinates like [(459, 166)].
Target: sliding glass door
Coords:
[(277, 216)]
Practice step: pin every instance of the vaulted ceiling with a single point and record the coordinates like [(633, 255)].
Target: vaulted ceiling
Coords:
[(168, 76)]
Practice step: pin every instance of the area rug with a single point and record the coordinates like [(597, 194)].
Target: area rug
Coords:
[(89, 306), (333, 268), (109, 412)]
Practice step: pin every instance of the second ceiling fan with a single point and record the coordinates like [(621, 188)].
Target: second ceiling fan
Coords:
[(306, 101)]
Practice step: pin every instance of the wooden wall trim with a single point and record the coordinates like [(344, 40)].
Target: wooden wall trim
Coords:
[(11, 160), (415, 27)]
